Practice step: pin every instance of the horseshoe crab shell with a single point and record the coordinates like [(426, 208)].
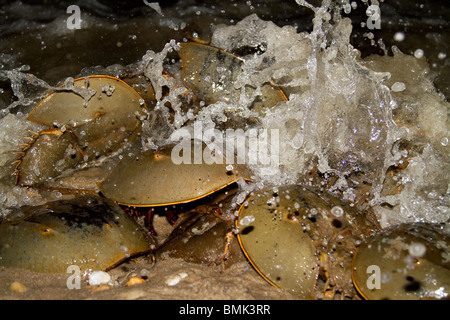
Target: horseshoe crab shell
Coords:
[(79, 132), (112, 102), (152, 178), (203, 235), (295, 234), (276, 245), (404, 262), (213, 72), (90, 232)]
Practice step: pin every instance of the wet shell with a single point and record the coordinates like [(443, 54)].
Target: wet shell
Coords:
[(112, 100), (275, 244), (201, 238), (51, 153), (89, 232), (295, 234), (212, 73), (77, 132), (408, 261), (203, 235), (152, 178)]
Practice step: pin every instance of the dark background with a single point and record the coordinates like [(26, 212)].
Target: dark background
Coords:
[(24, 38)]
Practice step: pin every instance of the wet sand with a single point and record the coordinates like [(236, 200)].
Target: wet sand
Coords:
[(156, 280), (203, 282)]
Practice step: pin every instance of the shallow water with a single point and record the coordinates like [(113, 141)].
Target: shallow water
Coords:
[(364, 120), (370, 128)]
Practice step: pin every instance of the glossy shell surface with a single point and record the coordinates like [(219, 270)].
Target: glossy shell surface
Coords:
[(152, 178), (203, 235), (79, 133), (112, 101), (293, 234), (90, 232), (408, 261), (213, 74), (275, 244)]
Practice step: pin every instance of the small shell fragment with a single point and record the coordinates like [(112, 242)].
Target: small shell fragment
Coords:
[(97, 278), (18, 287), (135, 280), (175, 279)]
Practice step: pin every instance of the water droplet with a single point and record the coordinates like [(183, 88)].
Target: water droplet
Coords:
[(399, 36), (398, 87), (418, 53), (442, 55), (432, 195), (337, 211), (417, 249), (247, 220)]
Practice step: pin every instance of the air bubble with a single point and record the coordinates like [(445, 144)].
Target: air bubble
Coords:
[(442, 55), (399, 36), (417, 249), (247, 220), (418, 53), (398, 87), (337, 211)]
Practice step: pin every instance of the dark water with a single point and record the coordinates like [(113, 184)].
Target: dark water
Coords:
[(35, 33)]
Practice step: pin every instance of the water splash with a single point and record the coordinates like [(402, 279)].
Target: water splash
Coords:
[(342, 119)]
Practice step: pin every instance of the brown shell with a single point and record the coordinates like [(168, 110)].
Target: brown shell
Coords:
[(295, 234), (113, 101), (212, 73), (89, 232), (79, 134), (404, 262), (151, 178), (276, 245)]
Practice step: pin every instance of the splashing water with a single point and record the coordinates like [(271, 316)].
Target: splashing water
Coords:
[(344, 117)]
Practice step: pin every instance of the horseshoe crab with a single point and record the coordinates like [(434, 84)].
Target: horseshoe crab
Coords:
[(203, 235), (111, 118), (408, 261), (75, 133), (293, 235), (153, 179), (99, 115), (88, 231), (213, 72)]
